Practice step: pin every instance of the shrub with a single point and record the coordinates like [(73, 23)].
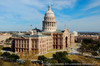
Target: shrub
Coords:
[(86, 41), (0, 53), (52, 61), (61, 57), (75, 61), (13, 57), (6, 48), (10, 56), (5, 54), (65, 53), (42, 58), (94, 53)]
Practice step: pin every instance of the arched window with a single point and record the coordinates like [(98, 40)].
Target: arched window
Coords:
[(66, 39)]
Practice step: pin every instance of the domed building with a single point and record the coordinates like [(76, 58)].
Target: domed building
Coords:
[(75, 33), (49, 23), (43, 40)]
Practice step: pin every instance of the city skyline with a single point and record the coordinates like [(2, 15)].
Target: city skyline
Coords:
[(78, 15)]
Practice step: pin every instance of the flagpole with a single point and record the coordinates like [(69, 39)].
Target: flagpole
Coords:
[(65, 25), (31, 26)]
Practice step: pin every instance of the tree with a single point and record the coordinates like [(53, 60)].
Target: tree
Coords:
[(28, 63), (75, 61), (1, 62), (52, 61), (14, 57), (28, 54), (0, 53), (94, 53), (61, 57), (7, 40), (86, 41), (6, 48), (83, 48), (42, 58), (65, 53), (94, 48), (5, 54)]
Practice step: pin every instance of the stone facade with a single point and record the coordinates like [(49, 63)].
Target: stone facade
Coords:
[(42, 41), (41, 44), (61, 39)]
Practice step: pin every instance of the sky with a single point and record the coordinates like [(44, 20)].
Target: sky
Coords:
[(77, 15)]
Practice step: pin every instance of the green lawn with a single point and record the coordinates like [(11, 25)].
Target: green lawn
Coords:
[(53, 50), (1, 47), (49, 54)]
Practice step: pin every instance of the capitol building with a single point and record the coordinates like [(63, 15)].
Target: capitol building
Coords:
[(43, 40)]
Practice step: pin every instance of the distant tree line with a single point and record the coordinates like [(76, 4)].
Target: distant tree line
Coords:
[(90, 45), (89, 33)]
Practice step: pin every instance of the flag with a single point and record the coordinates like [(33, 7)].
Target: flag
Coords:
[(65, 25)]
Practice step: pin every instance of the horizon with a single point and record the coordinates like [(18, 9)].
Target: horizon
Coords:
[(77, 15), (61, 30)]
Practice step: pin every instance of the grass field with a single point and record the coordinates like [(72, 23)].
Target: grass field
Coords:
[(84, 59), (48, 55), (53, 50), (4, 63), (1, 47)]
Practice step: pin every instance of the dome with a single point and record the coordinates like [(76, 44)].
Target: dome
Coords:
[(75, 33), (49, 22), (49, 13)]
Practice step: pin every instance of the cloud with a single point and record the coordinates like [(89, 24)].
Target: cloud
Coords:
[(95, 11), (30, 9), (61, 4), (20, 14), (93, 4), (90, 23), (18, 11), (14, 12)]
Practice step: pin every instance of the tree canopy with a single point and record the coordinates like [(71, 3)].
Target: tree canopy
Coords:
[(13, 57), (89, 45)]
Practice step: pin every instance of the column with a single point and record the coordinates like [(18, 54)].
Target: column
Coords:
[(34, 44), (15, 43), (18, 43), (26, 44), (23, 43), (18, 50), (48, 23), (30, 43)]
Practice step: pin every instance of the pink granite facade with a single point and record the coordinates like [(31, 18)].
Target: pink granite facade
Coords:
[(42, 41)]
